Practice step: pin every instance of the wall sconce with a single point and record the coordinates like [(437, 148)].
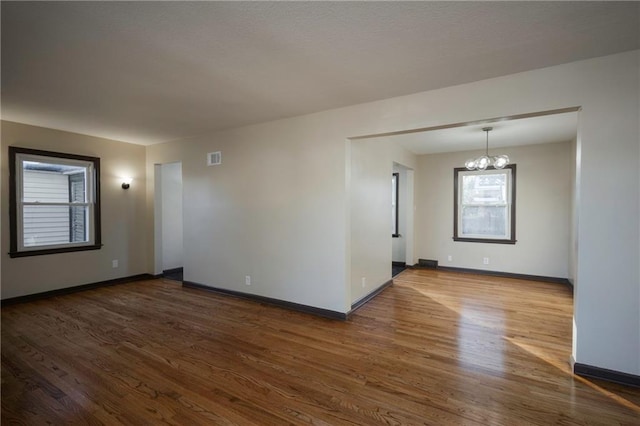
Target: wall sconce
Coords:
[(126, 182)]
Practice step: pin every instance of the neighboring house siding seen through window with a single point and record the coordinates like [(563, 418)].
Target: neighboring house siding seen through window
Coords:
[(78, 217), (45, 224), (54, 204)]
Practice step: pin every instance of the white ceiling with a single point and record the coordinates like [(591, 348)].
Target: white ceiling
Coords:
[(525, 131), (150, 72)]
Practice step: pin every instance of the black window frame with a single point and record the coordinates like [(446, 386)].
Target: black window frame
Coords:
[(13, 203), (396, 234), (512, 237)]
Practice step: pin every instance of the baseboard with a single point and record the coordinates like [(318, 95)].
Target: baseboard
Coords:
[(326, 313), (173, 271), (394, 263), (605, 374), (74, 289), (570, 284), (555, 280), (359, 303)]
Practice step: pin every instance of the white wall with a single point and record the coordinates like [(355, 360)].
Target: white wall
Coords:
[(280, 204), (171, 182), (371, 169), (573, 218), (410, 258), (606, 300), (273, 210), (543, 196), (371, 242)]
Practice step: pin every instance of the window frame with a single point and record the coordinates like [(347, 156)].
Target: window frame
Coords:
[(511, 239), (395, 204), (16, 247)]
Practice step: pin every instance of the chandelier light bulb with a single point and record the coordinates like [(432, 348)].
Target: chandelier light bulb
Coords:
[(470, 164), (500, 161), (483, 162)]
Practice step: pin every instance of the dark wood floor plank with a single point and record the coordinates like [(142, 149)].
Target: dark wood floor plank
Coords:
[(434, 348)]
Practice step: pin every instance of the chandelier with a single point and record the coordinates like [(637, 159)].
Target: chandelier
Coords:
[(484, 161)]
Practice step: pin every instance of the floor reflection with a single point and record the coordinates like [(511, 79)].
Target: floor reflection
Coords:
[(480, 342)]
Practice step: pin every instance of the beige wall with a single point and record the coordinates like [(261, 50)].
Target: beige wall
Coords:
[(543, 184), (123, 215)]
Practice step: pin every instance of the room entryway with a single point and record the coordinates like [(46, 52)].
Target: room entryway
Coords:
[(397, 267), (402, 218), (168, 226)]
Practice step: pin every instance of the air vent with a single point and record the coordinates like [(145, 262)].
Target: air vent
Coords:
[(214, 158), (428, 263)]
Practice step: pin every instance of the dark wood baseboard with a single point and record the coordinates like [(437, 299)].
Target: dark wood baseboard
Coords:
[(172, 271), (556, 280), (74, 289), (326, 313), (607, 375), (358, 304), (394, 263)]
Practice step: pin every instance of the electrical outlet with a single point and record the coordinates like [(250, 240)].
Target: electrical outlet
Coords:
[(364, 282), (247, 279), (450, 258), (485, 261), (114, 263)]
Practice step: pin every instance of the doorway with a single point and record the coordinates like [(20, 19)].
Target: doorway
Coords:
[(168, 223), (402, 218)]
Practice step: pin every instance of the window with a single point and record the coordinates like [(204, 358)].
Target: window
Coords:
[(485, 205), (395, 184), (54, 202)]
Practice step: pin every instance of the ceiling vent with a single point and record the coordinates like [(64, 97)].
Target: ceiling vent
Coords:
[(214, 158)]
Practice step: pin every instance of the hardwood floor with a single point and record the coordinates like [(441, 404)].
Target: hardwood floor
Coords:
[(435, 348)]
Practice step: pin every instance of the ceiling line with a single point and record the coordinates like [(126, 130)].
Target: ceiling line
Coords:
[(469, 123)]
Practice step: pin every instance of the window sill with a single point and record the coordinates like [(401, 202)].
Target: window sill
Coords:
[(484, 240), (42, 252)]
